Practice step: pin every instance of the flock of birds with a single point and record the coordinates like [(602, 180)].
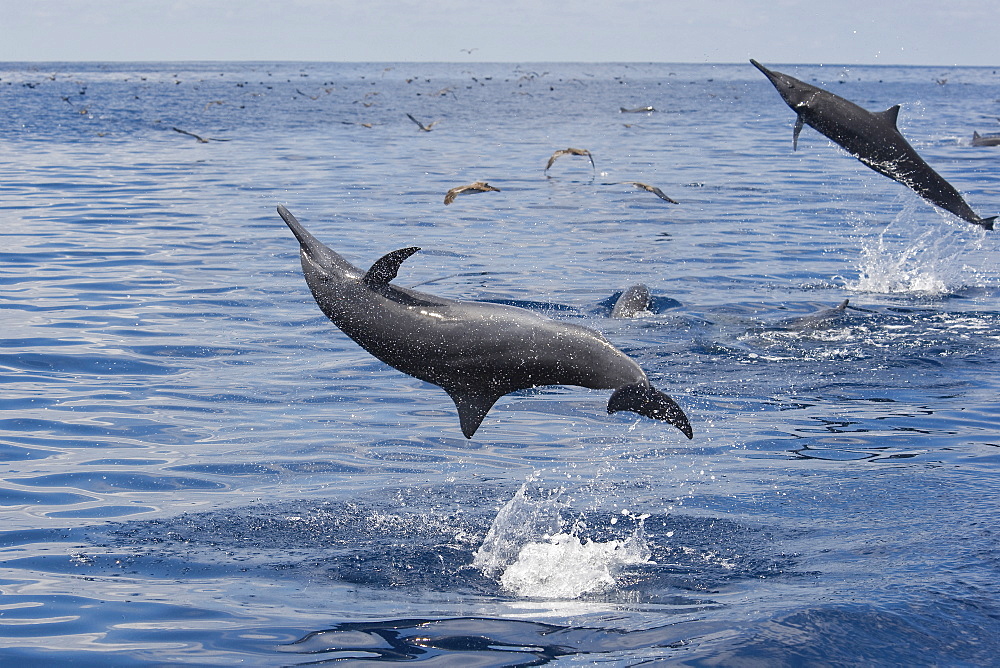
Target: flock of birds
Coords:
[(482, 186), (939, 192), (979, 140)]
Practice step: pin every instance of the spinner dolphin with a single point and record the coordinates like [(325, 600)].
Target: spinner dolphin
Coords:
[(476, 351)]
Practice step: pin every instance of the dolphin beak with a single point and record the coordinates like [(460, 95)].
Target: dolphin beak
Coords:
[(768, 73), (295, 226)]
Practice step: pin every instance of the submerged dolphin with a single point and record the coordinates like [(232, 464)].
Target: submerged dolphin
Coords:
[(631, 302), (818, 320), (476, 351), (872, 138), (985, 140)]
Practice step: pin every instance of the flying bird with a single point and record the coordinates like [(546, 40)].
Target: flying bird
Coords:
[(201, 140), (477, 187), (570, 151), (645, 186), (425, 128)]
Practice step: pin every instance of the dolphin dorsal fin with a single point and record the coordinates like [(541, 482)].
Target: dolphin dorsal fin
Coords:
[(387, 266), (799, 123), (891, 114), (472, 408)]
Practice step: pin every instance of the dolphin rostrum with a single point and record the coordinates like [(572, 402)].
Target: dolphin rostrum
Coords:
[(872, 138), (476, 351)]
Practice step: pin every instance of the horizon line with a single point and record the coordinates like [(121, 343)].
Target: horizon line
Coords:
[(492, 62)]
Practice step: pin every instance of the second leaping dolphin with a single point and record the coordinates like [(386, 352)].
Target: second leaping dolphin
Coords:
[(872, 138), (476, 351)]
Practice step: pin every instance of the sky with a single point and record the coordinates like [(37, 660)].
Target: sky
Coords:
[(889, 32)]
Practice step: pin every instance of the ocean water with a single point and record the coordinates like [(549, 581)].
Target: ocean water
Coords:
[(199, 469)]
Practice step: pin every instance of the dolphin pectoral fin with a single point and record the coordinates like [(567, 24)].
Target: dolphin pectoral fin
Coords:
[(799, 124), (650, 402), (472, 409), (387, 266)]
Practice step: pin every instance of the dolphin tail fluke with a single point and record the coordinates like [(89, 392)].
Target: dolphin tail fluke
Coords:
[(987, 223), (650, 402), (472, 409)]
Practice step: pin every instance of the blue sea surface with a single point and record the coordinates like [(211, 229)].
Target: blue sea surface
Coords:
[(198, 468)]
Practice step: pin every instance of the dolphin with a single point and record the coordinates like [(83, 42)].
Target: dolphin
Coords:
[(476, 351), (819, 320), (985, 140), (631, 302), (872, 138)]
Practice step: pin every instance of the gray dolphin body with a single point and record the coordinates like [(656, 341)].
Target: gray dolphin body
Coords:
[(872, 138), (819, 320), (476, 351), (985, 140), (631, 302)]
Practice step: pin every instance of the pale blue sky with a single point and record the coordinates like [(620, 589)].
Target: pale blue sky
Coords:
[(891, 32)]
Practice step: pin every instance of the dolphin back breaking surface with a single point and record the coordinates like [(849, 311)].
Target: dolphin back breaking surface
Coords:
[(871, 137), (476, 351)]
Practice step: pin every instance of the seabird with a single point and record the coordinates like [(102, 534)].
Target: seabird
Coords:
[(425, 128), (201, 140), (645, 186), (477, 187), (570, 151)]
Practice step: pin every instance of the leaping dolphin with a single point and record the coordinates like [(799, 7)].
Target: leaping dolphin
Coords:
[(872, 138), (476, 351)]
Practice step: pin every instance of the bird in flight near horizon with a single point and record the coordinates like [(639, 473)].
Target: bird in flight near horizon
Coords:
[(425, 128)]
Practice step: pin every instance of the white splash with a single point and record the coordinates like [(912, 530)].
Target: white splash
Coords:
[(566, 567), (530, 554), (921, 259)]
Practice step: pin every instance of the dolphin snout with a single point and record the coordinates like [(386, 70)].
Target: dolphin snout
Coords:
[(768, 73)]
